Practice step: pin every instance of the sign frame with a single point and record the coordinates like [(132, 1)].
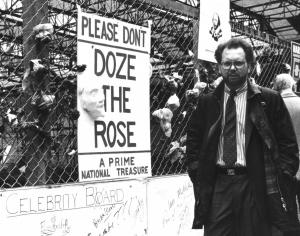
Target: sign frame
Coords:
[(113, 98)]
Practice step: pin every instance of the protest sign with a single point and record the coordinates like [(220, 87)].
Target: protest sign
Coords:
[(113, 99)]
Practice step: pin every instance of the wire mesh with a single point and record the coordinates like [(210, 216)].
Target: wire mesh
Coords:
[(38, 119)]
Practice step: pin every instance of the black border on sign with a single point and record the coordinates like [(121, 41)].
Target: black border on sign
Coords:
[(95, 153), (112, 46)]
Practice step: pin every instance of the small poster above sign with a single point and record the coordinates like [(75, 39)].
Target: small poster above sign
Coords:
[(214, 27)]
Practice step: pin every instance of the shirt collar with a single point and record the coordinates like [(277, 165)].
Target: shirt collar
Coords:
[(239, 90), (288, 94)]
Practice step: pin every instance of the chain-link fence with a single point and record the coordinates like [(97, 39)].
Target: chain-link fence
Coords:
[(38, 118)]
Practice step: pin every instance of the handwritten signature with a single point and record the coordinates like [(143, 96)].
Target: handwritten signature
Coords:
[(177, 210), (117, 215), (50, 228)]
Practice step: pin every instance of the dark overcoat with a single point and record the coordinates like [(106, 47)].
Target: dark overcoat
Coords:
[(268, 127)]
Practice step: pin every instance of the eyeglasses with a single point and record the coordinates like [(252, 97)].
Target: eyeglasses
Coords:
[(237, 64)]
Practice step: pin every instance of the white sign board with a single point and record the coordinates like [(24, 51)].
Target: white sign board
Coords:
[(98, 209), (214, 27), (113, 99), (158, 206), (171, 206)]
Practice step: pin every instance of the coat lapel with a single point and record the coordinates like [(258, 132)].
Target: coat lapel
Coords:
[(248, 129), (252, 91), (218, 93), (257, 117)]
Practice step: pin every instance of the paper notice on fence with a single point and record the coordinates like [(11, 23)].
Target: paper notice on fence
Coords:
[(113, 99), (171, 206), (110, 209), (295, 60), (214, 27)]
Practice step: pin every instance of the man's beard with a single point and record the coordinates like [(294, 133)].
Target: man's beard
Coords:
[(234, 80)]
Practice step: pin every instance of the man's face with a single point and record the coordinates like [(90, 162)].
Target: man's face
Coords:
[(234, 68)]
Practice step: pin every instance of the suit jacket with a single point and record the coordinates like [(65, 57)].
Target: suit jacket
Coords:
[(268, 131)]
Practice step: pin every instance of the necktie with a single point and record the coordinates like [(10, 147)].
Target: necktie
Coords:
[(229, 132)]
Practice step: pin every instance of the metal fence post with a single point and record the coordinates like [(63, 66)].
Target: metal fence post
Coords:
[(36, 143)]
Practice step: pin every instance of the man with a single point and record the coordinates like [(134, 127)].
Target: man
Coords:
[(284, 84), (240, 141)]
